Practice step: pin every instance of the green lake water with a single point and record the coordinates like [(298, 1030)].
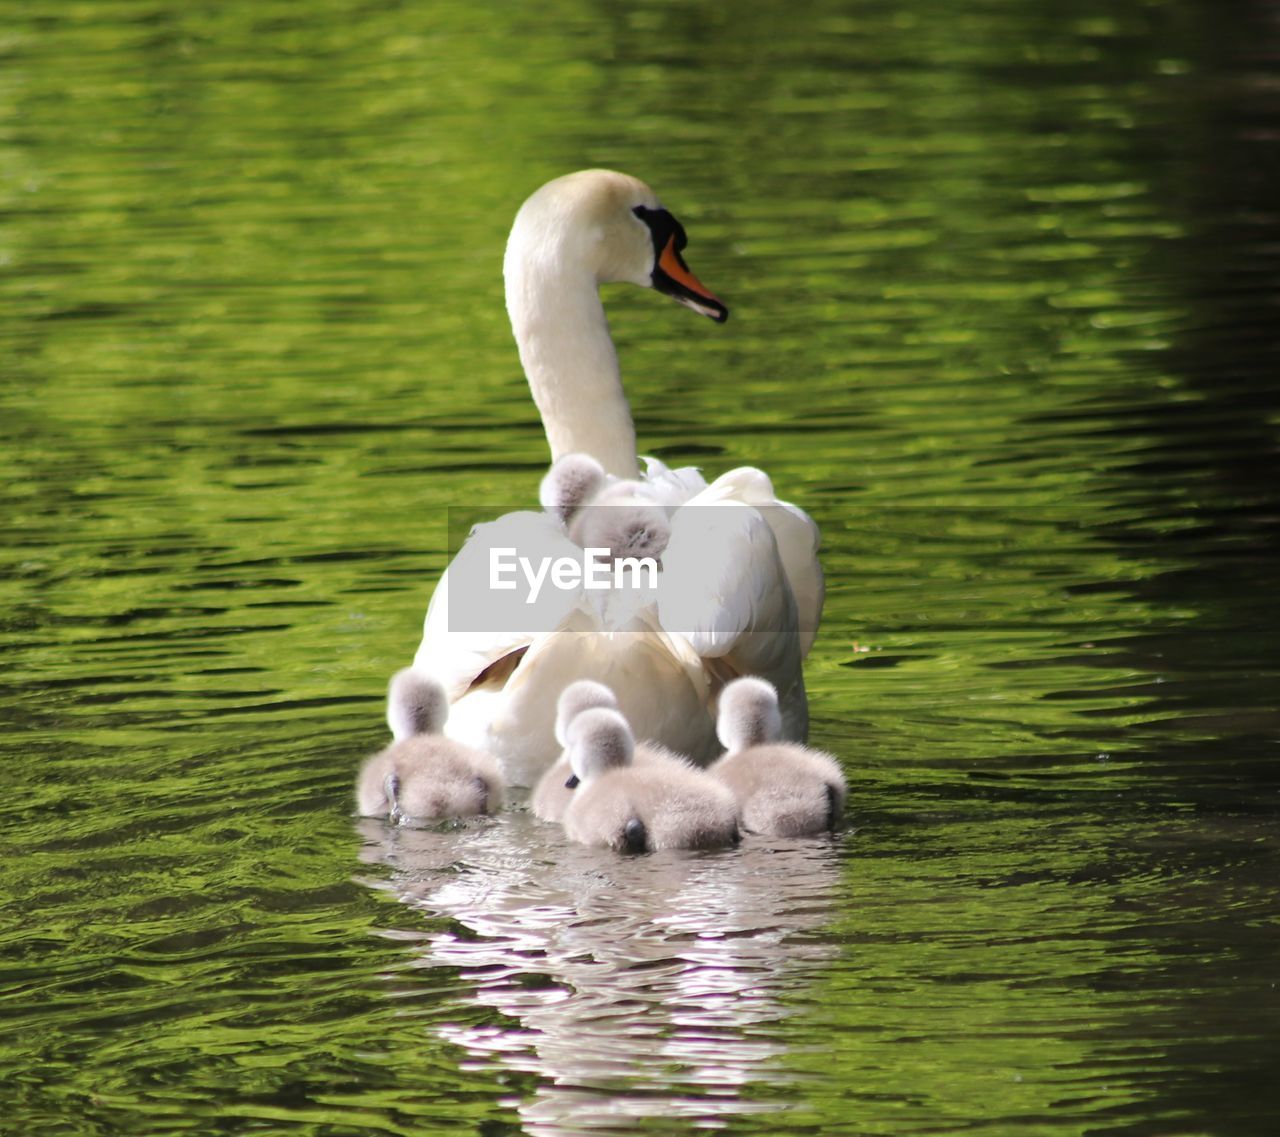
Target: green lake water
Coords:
[(1005, 281)]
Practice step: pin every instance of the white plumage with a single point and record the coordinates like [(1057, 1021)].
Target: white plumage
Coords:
[(740, 591)]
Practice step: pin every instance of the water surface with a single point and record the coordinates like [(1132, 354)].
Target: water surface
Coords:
[(1004, 286)]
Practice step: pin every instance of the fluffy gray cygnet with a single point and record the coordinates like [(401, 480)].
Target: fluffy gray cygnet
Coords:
[(551, 797), (783, 789), (425, 776), (631, 808), (601, 513)]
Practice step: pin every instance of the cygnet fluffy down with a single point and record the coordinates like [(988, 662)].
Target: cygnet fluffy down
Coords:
[(782, 788), (425, 776), (636, 809), (551, 797)]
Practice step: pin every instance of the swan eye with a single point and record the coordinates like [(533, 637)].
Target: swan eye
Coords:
[(662, 227)]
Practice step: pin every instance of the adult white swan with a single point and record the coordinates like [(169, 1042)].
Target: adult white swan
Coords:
[(741, 590)]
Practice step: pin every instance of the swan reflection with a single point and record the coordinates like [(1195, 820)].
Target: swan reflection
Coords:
[(636, 986)]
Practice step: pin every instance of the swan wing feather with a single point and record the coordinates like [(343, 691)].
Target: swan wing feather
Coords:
[(468, 625)]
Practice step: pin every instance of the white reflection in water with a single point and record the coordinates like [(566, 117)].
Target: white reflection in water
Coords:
[(637, 986)]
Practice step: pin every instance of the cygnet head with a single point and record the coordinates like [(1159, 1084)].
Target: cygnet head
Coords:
[(614, 227), (580, 696), (599, 741), (416, 704), (636, 530), (572, 481), (748, 714)]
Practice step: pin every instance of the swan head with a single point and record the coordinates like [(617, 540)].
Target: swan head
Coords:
[(582, 695), (599, 741), (572, 481), (416, 704), (748, 714), (612, 226)]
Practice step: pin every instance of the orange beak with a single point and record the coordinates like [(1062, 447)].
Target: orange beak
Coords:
[(673, 277)]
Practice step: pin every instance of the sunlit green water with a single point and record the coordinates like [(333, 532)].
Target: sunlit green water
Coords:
[(1004, 285)]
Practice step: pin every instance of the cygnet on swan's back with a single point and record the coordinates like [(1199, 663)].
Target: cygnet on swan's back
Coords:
[(621, 515)]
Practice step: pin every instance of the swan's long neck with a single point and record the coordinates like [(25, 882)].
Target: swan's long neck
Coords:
[(568, 356)]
